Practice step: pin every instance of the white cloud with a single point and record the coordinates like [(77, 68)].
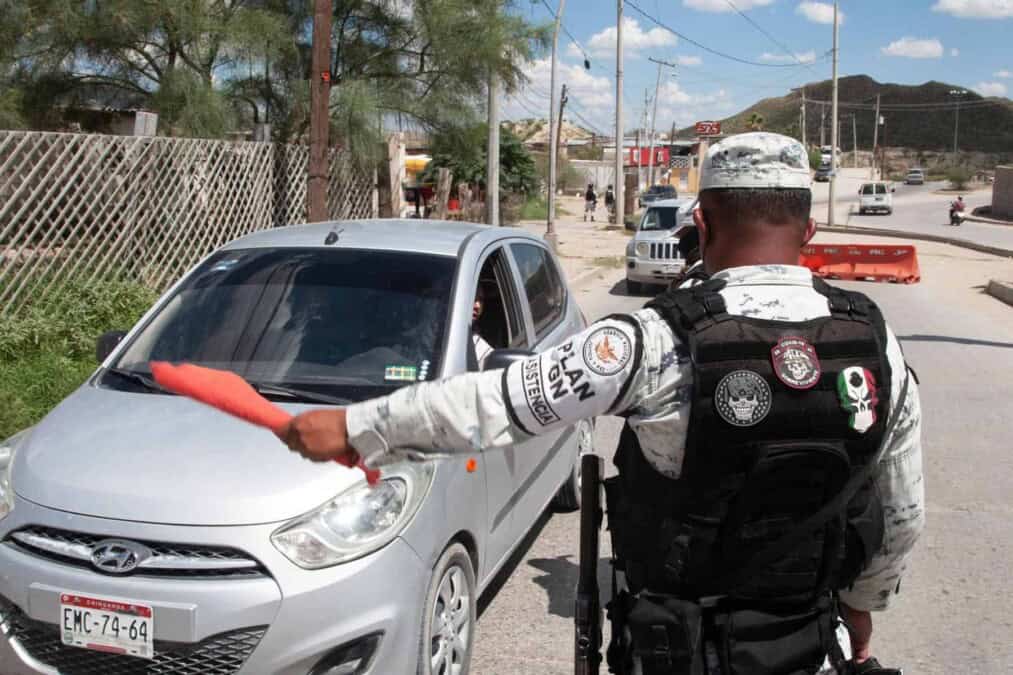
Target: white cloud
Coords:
[(914, 48), (804, 57), (723, 6), (635, 39), (1005, 74), (689, 60), (976, 9), (594, 95), (954, 52), (991, 88), (819, 12)]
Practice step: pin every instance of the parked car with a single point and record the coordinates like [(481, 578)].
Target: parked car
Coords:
[(143, 532), (915, 177), (875, 197), (652, 254), (655, 193)]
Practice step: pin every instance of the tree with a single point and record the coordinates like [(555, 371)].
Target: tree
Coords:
[(464, 154)]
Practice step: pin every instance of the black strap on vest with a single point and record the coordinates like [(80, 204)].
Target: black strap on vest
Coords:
[(691, 308), (776, 549)]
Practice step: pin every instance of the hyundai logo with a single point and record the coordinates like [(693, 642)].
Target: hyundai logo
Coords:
[(116, 556)]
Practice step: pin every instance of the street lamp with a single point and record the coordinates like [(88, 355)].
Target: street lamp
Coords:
[(956, 118)]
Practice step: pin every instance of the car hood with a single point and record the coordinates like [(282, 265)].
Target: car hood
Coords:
[(165, 459), (656, 235)]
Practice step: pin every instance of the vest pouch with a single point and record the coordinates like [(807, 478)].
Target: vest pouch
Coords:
[(777, 643), (864, 533), (665, 632)]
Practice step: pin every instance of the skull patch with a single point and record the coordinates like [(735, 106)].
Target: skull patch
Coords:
[(742, 398), (856, 389), (795, 363)]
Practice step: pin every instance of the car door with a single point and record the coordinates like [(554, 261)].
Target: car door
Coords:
[(544, 461), (502, 469)]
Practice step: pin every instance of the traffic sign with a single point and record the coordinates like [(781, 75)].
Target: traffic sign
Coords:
[(708, 128)]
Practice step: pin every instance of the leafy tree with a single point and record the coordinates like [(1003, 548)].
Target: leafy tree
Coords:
[(464, 153), (959, 177)]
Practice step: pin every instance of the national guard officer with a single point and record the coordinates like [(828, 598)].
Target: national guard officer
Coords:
[(770, 466)]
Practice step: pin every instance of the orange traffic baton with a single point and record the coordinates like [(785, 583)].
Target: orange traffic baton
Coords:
[(859, 262)]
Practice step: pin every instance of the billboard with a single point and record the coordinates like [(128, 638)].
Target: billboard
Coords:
[(708, 128)]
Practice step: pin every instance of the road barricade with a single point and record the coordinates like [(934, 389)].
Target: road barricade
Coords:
[(860, 262)]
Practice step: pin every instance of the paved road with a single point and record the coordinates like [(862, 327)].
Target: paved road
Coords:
[(955, 614), (916, 208)]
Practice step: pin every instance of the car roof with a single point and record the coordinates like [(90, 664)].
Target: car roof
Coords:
[(439, 237)]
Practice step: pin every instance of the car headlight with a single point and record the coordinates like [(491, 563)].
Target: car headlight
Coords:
[(643, 248), (359, 521), (7, 449)]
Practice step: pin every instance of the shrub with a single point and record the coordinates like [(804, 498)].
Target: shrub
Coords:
[(959, 177)]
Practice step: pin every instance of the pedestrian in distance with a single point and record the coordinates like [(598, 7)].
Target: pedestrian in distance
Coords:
[(610, 203), (590, 202), (771, 425)]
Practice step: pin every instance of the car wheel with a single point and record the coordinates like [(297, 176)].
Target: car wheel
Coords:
[(568, 497), (889, 212), (861, 212), (634, 287), (448, 628)]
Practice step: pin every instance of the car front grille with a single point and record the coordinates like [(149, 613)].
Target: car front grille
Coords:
[(666, 250), (167, 559), (220, 654)]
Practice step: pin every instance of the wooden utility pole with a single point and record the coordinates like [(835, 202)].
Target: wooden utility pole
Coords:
[(823, 124), (804, 140), (559, 123), (550, 225), (620, 178), (654, 115), (833, 133), (320, 94), (492, 152), (854, 139), (875, 141)]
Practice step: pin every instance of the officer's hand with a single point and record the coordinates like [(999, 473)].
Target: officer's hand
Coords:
[(319, 435), (860, 629)]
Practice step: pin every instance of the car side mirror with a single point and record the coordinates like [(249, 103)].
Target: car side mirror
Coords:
[(107, 342), (499, 359), (893, 189)]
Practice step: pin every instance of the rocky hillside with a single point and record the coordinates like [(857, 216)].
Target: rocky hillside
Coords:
[(983, 128), (537, 131)]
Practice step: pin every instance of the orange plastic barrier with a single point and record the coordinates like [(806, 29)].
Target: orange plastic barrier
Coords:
[(898, 264)]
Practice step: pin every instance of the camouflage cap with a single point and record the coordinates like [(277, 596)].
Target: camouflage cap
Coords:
[(756, 160)]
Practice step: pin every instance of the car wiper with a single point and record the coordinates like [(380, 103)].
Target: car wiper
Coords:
[(137, 376), (295, 394)]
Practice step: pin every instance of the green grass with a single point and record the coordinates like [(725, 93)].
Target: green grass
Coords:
[(48, 350), (613, 261), (536, 208)]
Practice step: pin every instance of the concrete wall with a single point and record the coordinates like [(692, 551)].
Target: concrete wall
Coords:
[(1002, 192)]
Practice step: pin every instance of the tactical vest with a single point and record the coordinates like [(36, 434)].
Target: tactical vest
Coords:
[(783, 415)]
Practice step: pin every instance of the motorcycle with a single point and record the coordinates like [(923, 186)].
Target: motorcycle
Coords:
[(956, 214)]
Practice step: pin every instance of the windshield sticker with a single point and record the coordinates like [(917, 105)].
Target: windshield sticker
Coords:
[(424, 370), (400, 373)]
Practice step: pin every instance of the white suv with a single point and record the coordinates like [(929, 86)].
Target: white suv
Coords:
[(875, 197), (653, 256)]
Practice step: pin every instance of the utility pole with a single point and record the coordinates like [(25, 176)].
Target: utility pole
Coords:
[(823, 124), (550, 226), (620, 178), (833, 132), (654, 115), (492, 153), (854, 139), (804, 139), (320, 118), (559, 122), (956, 119), (875, 141)]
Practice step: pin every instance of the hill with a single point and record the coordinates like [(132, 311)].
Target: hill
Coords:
[(537, 131), (983, 128)]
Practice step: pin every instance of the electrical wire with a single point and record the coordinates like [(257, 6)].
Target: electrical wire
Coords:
[(770, 37), (704, 47)]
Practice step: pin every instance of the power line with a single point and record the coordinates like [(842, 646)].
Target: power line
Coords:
[(770, 37), (913, 107), (566, 30), (705, 47)]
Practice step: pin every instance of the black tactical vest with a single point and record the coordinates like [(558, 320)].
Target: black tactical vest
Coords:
[(783, 414)]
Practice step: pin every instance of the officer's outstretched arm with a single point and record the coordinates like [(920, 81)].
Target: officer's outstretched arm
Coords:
[(590, 374)]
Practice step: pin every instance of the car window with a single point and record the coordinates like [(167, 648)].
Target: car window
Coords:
[(880, 189), (660, 219), (502, 320), (868, 189), (299, 317), (542, 286)]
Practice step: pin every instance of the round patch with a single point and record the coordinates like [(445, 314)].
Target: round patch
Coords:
[(795, 363), (607, 350), (742, 398)]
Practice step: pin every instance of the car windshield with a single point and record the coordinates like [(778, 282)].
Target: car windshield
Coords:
[(662, 189), (659, 219), (328, 321), (868, 189)]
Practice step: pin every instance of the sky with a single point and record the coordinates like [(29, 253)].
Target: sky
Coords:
[(967, 43)]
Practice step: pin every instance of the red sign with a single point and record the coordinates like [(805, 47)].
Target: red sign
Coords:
[(708, 128), (642, 156)]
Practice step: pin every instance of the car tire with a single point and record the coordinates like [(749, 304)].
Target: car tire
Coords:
[(889, 212), (568, 497), (861, 212), (449, 615), (634, 287)]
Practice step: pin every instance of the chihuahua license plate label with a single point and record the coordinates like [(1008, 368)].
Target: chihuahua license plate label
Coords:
[(112, 626)]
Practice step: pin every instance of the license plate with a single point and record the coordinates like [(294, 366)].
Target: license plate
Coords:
[(112, 626), (879, 199), (671, 269)]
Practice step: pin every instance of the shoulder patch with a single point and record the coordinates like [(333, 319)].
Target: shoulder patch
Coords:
[(607, 350)]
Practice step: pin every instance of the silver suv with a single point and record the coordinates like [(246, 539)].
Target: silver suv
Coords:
[(142, 532), (652, 255)]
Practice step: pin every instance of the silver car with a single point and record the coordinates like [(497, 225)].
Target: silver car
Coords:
[(652, 254), (142, 532)]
